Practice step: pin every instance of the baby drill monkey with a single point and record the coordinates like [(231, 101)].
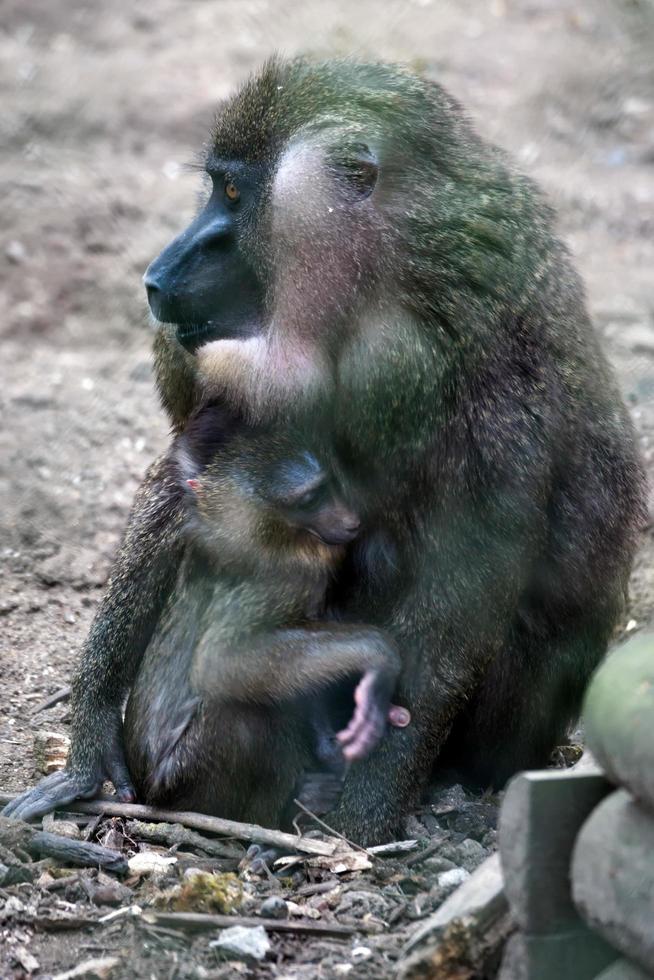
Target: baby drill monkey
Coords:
[(242, 664)]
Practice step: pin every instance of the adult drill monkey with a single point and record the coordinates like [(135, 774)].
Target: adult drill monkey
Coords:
[(413, 306)]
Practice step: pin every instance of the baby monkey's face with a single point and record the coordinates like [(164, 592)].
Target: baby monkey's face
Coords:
[(305, 498), (314, 507), (272, 500)]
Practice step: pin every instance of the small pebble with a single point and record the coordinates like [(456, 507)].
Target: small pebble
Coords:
[(437, 864), (274, 908), (16, 252), (452, 878)]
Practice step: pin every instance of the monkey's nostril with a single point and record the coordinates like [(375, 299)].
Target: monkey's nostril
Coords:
[(154, 295)]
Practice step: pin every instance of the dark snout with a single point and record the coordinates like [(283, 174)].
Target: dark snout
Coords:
[(337, 526), (202, 283)]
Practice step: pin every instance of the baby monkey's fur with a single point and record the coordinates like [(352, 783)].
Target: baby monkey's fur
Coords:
[(230, 707)]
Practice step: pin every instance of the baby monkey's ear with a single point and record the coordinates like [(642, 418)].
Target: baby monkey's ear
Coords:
[(193, 485)]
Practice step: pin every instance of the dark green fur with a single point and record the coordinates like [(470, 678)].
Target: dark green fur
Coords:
[(482, 438)]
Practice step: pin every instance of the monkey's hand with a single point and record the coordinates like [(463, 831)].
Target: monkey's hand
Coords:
[(372, 700), (75, 783)]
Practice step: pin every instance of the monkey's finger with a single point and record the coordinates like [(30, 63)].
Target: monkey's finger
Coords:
[(364, 731), (362, 746), (54, 791)]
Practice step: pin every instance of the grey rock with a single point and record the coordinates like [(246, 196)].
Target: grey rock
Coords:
[(577, 954), (438, 864), (613, 876), (469, 854), (243, 943), (359, 903), (540, 819)]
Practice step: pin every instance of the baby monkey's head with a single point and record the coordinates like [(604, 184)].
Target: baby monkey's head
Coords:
[(258, 494)]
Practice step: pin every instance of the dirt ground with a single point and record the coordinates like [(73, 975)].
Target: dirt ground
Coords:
[(103, 104)]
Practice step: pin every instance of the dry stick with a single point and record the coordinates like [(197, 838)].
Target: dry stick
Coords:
[(21, 838), (424, 854), (201, 821), (174, 834), (317, 888), (197, 922), (330, 830), (78, 852), (61, 695)]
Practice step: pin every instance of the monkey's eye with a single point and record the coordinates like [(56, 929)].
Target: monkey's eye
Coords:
[(312, 498), (232, 193), (358, 170)]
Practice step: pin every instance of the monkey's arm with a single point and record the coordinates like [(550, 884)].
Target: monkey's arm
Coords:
[(141, 579), (291, 663)]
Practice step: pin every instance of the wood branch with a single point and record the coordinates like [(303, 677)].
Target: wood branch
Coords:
[(317, 888), (61, 695), (79, 852), (61, 923), (467, 932), (19, 837), (197, 922), (175, 835), (393, 848), (201, 821)]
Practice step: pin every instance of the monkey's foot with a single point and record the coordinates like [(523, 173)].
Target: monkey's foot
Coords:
[(259, 860), (55, 790), (61, 788)]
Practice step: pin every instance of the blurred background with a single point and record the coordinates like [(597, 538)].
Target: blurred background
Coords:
[(103, 105)]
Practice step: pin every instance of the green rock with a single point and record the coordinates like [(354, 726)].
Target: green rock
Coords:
[(623, 970), (619, 716)]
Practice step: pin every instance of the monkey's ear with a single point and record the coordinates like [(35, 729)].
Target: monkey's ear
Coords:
[(358, 168)]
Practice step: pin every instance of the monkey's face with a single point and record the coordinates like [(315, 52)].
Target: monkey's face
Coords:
[(323, 515), (254, 502), (291, 229), (204, 281), (303, 497)]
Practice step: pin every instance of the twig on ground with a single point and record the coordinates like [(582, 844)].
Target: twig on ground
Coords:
[(78, 852), (19, 836), (62, 923), (200, 821), (317, 888), (421, 856), (330, 830), (197, 922), (61, 695), (174, 834), (393, 848)]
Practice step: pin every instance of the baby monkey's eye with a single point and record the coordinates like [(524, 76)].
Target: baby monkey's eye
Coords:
[(308, 499), (312, 498), (232, 193)]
